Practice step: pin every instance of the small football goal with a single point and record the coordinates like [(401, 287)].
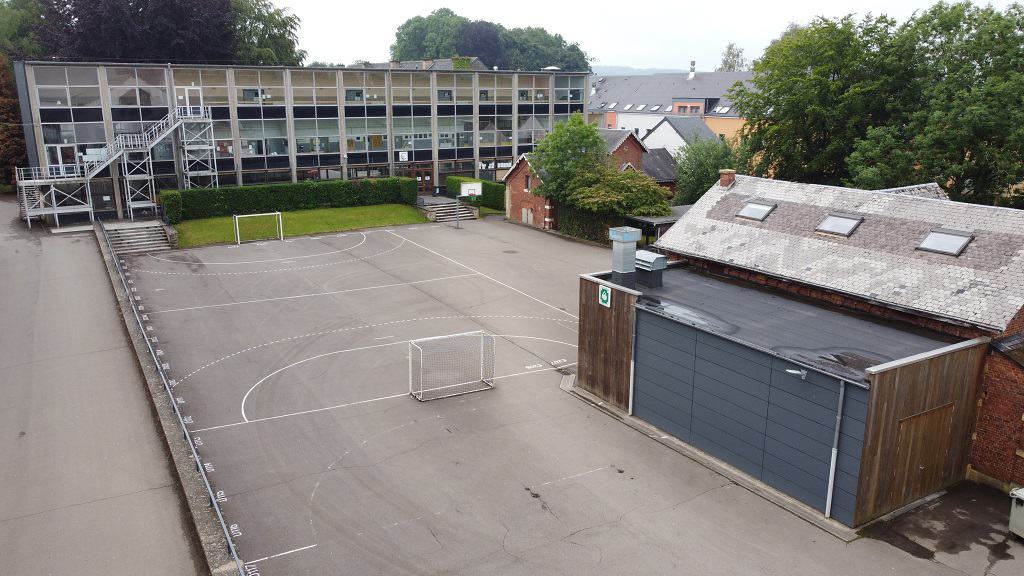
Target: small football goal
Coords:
[(254, 227), (450, 365)]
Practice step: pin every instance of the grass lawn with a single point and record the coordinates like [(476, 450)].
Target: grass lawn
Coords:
[(299, 223), (485, 211)]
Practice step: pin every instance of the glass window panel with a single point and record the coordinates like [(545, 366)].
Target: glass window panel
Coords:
[(247, 77), (127, 128), (541, 95), (275, 128), (401, 96), (215, 96), (326, 78), (250, 129), (150, 76), (355, 127), (542, 81), (377, 142), (152, 97), (838, 224), (487, 139), (561, 81), (248, 95), (504, 122), (421, 95), (403, 142), (486, 95), (214, 77), (400, 79), (327, 95), (755, 211), (353, 95), (946, 242), (222, 129), (446, 123), (305, 128), (327, 127), (446, 80), (123, 97), (224, 149), (252, 147), (487, 123), (163, 150), (53, 97), (401, 124), (464, 139), (421, 80), (51, 76), (59, 133), (302, 78), (82, 76), (121, 77), (376, 79), (355, 143), (85, 96), (464, 95), (464, 80), (504, 96), (271, 78), (302, 96), (503, 81), (377, 125), (352, 78), (445, 95), (524, 95), (273, 96), (89, 132), (421, 124), (182, 76), (485, 81)]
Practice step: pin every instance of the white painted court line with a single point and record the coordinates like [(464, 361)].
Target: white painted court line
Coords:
[(357, 403), (492, 279), (311, 266), (572, 477), (331, 293), (361, 242), (558, 322), (281, 554)]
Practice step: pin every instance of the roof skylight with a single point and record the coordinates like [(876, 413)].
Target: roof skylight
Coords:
[(755, 210), (612, 105), (640, 107), (839, 224), (627, 106), (724, 109), (945, 241), (654, 108)]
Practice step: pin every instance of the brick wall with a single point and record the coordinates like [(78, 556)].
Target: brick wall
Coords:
[(998, 450), (632, 151), (521, 198)]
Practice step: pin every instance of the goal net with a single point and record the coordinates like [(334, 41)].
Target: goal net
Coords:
[(253, 227), (446, 366)]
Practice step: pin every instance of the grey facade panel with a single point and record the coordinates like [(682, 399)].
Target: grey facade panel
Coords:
[(742, 406)]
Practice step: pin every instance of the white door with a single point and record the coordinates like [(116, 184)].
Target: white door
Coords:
[(191, 98), (61, 159)]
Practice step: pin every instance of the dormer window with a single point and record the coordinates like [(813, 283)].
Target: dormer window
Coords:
[(756, 210), (946, 241), (839, 224)]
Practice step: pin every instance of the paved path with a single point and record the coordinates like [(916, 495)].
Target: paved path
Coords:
[(86, 484)]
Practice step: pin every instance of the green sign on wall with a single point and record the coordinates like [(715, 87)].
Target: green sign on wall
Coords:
[(604, 296)]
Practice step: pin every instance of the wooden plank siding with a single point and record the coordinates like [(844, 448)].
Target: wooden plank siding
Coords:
[(921, 414), (606, 342)]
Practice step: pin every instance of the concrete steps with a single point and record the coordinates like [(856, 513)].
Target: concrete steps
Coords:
[(450, 212), (134, 239)]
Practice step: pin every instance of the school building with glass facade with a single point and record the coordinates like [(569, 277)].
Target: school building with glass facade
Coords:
[(272, 124)]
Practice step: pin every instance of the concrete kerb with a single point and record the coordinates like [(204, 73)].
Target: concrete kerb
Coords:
[(207, 530), (798, 509)]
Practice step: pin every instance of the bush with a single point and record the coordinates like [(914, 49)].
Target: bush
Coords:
[(195, 203), (492, 196), (585, 224)]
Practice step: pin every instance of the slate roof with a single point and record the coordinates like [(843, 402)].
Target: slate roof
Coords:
[(614, 138), (1012, 346), (690, 128), (984, 286), (660, 165), (661, 89)]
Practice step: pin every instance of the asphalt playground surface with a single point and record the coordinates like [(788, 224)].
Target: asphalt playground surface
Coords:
[(290, 360)]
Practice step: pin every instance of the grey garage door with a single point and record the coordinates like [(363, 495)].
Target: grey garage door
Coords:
[(742, 406)]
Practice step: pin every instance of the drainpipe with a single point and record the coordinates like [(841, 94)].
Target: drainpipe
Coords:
[(835, 450)]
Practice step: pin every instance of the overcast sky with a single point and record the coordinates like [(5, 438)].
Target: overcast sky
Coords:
[(638, 34)]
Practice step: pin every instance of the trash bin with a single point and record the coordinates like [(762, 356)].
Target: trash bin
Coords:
[(1017, 512)]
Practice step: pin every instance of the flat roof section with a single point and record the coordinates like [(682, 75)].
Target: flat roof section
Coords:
[(833, 341)]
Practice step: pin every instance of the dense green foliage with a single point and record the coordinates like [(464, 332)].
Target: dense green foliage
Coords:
[(264, 34), (573, 147), (874, 104), (220, 230), (698, 166), (12, 138), (612, 191), (492, 194), (208, 202), (580, 223), (444, 34)]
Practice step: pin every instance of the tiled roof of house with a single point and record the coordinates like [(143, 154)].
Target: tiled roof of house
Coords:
[(983, 286), (614, 138), (659, 164), (689, 128), (1012, 346)]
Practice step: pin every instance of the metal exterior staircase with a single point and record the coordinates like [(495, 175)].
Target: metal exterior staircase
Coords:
[(138, 238), (44, 191)]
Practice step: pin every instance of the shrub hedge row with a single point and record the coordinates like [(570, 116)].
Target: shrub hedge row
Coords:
[(194, 203), (586, 224), (493, 193)]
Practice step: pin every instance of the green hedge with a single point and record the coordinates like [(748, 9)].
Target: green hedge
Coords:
[(493, 194), (195, 203), (585, 224)]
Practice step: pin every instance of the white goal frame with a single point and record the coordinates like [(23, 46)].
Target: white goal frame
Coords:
[(280, 224), (435, 357)]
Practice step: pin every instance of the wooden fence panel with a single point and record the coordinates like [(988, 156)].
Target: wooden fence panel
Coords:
[(606, 341)]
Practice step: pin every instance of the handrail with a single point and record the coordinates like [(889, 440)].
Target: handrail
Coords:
[(181, 420)]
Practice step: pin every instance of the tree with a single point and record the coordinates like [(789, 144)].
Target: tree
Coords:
[(608, 190), (319, 64), (265, 35), (445, 34), (429, 37), (572, 149), (963, 125), (733, 59), (12, 138), (815, 93), (698, 166), (18, 21)]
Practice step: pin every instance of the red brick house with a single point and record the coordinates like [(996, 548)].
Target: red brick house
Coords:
[(526, 207), (908, 256)]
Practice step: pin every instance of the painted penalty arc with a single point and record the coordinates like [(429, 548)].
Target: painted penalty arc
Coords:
[(283, 258)]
